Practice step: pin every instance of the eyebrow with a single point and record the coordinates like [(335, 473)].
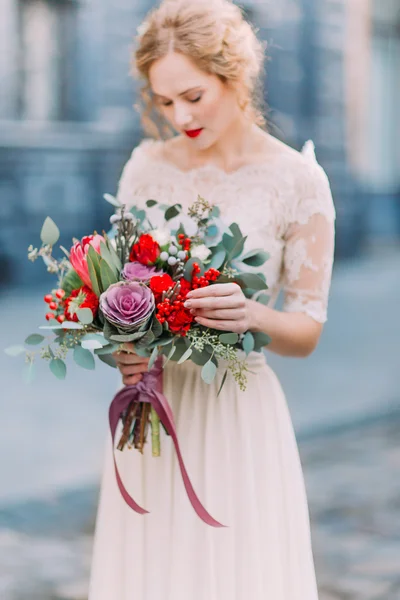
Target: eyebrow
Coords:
[(181, 94)]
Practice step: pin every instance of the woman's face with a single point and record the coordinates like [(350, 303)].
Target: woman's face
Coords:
[(197, 104)]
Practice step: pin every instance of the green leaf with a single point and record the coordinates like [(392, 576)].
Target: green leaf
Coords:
[(217, 260), (29, 372), (251, 280), (208, 372), (188, 270), (94, 271), (69, 325), (235, 229), (108, 359), (222, 382), (170, 354), (215, 212), (156, 328), (106, 255), (84, 315), (71, 281), (237, 248), (112, 200), (150, 203), (146, 339), (91, 344), (139, 214), (256, 260), (261, 340), (34, 340), (115, 258), (153, 357), (97, 337), (248, 342), (108, 277), (50, 232), (185, 356), (84, 358), (58, 368), (228, 242), (172, 211), (200, 358), (15, 350), (262, 299), (229, 338), (127, 337), (108, 349), (212, 231)]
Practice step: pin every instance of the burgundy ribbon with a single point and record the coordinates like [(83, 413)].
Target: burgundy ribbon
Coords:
[(149, 389)]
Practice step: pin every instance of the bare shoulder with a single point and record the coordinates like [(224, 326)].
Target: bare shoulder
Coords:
[(170, 149), (272, 147)]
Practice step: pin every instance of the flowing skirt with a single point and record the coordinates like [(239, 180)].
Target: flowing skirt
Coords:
[(242, 457)]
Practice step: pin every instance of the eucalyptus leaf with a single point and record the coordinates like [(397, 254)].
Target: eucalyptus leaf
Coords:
[(256, 260), (108, 359), (185, 356), (112, 200), (153, 357), (229, 338), (217, 260), (200, 358), (146, 339), (127, 337), (262, 299), (228, 242), (84, 358), (222, 382), (91, 344), (34, 340), (98, 337), (170, 355), (150, 203), (58, 368), (261, 339), (15, 350), (248, 342), (215, 212), (188, 270), (156, 327), (50, 232), (172, 211), (212, 231), (251, 280), (237, 248), (108, 349), (85, 315), (208, 372), (235, 229)]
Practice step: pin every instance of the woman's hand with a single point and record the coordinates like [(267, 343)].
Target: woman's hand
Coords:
[(131, 365), (220, 306)]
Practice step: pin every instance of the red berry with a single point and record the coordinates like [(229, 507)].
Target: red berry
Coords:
[(50, 316), (48, 298), (60, 293), (60, 318), (53, 305)]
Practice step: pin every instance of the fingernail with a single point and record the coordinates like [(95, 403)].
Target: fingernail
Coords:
[(187, 304)]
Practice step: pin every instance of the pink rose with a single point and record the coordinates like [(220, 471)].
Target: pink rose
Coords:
[(78, 256)]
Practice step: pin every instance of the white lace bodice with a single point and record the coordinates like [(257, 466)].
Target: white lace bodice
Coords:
[(284, 206)]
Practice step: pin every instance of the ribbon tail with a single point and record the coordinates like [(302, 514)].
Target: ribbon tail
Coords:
[(120, 403), (163, 409)]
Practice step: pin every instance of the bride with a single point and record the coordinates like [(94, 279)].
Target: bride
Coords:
[(200, 63)]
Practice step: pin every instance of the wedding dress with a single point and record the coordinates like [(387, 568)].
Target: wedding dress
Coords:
[(239, 448)]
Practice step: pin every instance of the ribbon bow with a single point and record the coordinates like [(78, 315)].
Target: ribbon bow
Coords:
[(149, 389)]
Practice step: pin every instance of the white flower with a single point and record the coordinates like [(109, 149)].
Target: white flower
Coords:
[(201, 252), (161, 236)]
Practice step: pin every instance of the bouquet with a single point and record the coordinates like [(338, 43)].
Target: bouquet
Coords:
[(130, 285)]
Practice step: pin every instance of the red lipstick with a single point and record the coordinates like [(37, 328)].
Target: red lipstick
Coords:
[(192, 133)]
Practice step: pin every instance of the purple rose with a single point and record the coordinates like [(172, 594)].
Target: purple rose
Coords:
[(135, 271), (127, 305)]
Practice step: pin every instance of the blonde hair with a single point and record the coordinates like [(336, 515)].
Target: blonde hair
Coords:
[(216, 36)]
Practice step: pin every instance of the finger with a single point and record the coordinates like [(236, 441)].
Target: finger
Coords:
[(217, 324), (132, 369), (131, 379), (217, 289), (232, 301), (224, 314)]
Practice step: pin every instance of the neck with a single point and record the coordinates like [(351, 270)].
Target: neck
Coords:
[(231, 147)]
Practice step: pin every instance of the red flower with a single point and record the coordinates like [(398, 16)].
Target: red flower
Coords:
[(179, 321), (185, 287), (81, 298), (146, 250), (161, 283)]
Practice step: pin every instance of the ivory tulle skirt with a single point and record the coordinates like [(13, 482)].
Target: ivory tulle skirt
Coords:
[(242, 457)]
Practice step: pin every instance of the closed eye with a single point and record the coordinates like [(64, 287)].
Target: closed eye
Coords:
[(169, 103)]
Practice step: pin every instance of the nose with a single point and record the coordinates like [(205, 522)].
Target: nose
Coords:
[(182, 116)]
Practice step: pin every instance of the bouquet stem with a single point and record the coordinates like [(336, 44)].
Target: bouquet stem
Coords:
[(126, 432), (155, 432)]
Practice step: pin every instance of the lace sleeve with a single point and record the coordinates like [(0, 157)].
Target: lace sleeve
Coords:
[(309, 247)]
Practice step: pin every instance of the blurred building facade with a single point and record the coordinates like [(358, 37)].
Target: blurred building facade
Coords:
[(67, 123)]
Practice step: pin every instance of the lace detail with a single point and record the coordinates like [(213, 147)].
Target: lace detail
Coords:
[(284, 206)]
